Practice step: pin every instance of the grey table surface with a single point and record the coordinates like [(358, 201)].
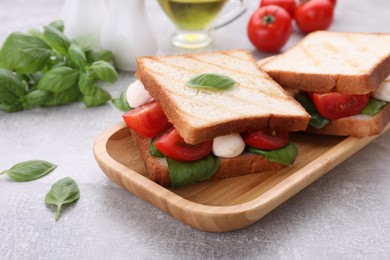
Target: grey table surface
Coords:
[(343, 215)]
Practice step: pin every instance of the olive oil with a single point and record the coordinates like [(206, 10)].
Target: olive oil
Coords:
[(192, 14)]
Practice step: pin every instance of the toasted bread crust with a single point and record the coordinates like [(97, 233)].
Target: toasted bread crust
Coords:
[(194, 135), (359, 83), (357, 126), (229, 167)]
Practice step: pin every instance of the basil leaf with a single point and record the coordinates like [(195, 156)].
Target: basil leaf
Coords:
[(186, 173), (58, 79), (58, 24), (11, 86), (153, 149), (121, 102), (56, 39), (285, 155), (77, 55), (24, 53), (29, 170), (98, 97), (35, 32), (373, 107), (37, 97), (102, 55), (62, 192), (63, 98), (9, 108), (212, 81), (86, 84), (86, 42), (316, 120), (104, 71)]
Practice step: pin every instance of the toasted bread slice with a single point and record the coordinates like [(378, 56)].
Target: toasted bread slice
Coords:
[(351, 63), (199, 115), (246, 163), (358, 125)]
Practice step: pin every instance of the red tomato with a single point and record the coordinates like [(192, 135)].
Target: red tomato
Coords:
[(314, 15), (288, 5), (269, 28), (333, 2), (266, 139), (335, 105), (147, 120), (172, 145)]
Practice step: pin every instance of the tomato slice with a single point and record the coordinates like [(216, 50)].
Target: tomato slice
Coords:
[(266, 139), (172, 145), (335, 105), (147, 120)]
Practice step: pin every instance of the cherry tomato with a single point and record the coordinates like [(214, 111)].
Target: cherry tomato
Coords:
[(314, 15), (335, 105), (288, 5), (172, 145), (269, 28), (266, 139), (147, 120)]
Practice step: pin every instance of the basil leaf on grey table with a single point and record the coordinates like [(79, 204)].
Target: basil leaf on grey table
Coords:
[(56, 39), (97, 55), (77, 55), (212, 81), (86, 84), (24, 53), (10, 85), (68, 96), (58, 24), (104, 71), (97, 98), (29, 170), (37, 97), (86, 42), (62, 192), (58, 80)]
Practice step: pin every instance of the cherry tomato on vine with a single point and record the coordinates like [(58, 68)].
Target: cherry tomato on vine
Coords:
[(313, 15), (269, 28), (336, 105), (288, 5)]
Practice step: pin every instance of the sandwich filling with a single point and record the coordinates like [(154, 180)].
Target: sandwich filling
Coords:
[(189, 163), (325, 107)]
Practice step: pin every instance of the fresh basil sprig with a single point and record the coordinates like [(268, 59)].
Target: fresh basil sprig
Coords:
[(212, 81), (285, 155), (29, 170), (185, 173), (64, 70), (373, 107), (62, 192), (316, 120)]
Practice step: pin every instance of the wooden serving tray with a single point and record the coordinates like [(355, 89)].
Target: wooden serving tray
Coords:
[(228, 204)]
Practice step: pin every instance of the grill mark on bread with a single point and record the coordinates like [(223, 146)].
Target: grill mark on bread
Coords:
[(310, 55), (329, 46)]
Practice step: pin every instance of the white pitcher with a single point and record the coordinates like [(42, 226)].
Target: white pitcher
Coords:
[(84, 17), (127, 33)]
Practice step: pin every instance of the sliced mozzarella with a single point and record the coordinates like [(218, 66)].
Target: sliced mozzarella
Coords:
[(228, 146), (136, 94), (383, 91)]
